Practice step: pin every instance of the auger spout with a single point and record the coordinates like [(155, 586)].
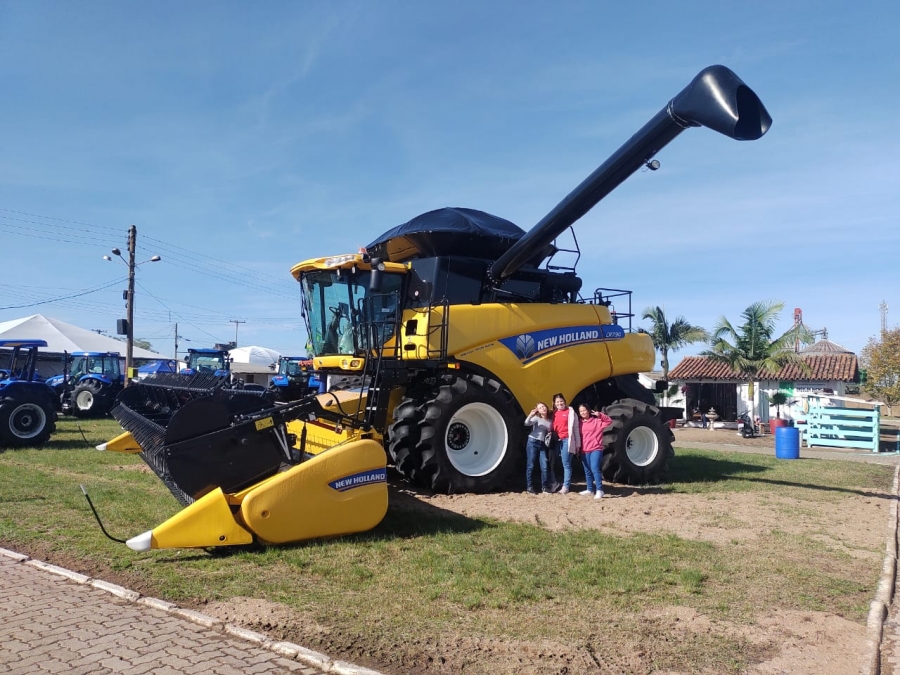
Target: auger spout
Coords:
[(716, 98)]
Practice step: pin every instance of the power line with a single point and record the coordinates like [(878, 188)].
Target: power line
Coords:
[(193, 261), (88, 235), (66, 297)]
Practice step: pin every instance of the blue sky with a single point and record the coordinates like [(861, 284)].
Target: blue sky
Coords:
[(241, 138)]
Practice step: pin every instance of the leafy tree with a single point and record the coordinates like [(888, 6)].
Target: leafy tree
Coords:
[(752, 347), (137, 342), (881, 360), (671, 337)]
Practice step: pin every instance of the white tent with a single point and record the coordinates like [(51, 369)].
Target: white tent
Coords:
[(64, 337), (260, 356)]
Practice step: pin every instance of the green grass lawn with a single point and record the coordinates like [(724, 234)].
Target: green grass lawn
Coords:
[(463, 576)]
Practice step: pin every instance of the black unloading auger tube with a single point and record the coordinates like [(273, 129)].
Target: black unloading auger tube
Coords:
[(716, 98)]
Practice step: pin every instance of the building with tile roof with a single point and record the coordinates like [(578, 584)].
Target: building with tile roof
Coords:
[(708, 384)]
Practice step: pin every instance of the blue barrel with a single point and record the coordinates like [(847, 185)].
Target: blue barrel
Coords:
[(787, 443)]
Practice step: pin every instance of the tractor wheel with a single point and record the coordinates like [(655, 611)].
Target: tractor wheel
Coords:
[(25, 422), (88, 399), (638, 445), (470, 436), (404, 438)]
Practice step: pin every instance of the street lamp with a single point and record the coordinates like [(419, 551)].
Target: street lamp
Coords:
[(129, 297)]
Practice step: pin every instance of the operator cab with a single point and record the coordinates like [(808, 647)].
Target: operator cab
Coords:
[(207, 361), (352, 303), (22, 361)]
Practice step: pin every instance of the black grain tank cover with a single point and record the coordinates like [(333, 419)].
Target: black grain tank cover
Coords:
[(447, 232)]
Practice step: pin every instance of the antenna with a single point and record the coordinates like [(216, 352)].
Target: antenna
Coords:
[(883, 308)]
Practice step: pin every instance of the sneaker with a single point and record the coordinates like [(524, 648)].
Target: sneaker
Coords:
[(585, 493), (564, 491), (599, 495), (531, 491)]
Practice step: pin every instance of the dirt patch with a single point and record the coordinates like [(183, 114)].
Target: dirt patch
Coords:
[(739, 517), (139, 468)]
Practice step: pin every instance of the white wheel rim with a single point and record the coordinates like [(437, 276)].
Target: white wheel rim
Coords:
[(84, 400), (642, 446), (476, 439), (27, 421)]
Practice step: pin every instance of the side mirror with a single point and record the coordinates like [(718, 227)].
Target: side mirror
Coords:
[(375, 278)]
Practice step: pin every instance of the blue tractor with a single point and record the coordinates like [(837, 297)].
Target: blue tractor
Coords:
[(207, 361), (295, 379), (90, 384), (27, 405)]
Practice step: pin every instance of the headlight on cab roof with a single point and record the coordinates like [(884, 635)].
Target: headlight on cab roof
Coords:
[(339, 260)]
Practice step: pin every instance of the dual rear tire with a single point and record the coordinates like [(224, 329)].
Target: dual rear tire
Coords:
[(466, 435)]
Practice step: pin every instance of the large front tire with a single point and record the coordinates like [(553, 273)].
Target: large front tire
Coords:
[(638, 444), (25, 423), (87, 399), (470, 436), (404, 438)]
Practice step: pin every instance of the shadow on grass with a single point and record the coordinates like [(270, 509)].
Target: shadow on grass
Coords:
[(823, 488), (72, 444), (698, 469)]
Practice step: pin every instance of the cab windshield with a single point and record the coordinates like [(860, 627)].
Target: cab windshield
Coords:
[(333, 303), (291, 367), (95, 365), (204, 363)]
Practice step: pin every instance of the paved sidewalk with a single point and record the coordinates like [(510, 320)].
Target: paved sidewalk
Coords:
[(56, 621), (890, 644)]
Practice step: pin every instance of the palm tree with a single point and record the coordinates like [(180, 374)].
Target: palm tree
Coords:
[(752, 348), (778, 399), (671, 337)]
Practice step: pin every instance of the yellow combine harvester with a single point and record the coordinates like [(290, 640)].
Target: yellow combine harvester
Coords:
[(443, 331)]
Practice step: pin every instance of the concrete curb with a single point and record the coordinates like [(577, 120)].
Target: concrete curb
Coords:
[(286, 649), (884, 595)]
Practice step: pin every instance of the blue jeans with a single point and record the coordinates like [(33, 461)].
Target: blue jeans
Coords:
[(536, 450), (592, 474), (566, 459)]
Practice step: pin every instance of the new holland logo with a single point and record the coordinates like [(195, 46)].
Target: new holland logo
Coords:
[(524, 346), (359, 479), (529, 346)]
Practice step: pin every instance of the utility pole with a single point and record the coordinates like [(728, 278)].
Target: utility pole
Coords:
[(128, 328), (129, 339), (176, 341), (236, 322), (883, 308)]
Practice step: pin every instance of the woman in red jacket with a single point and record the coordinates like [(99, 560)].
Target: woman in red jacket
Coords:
[(565, 424), (592, 425)]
